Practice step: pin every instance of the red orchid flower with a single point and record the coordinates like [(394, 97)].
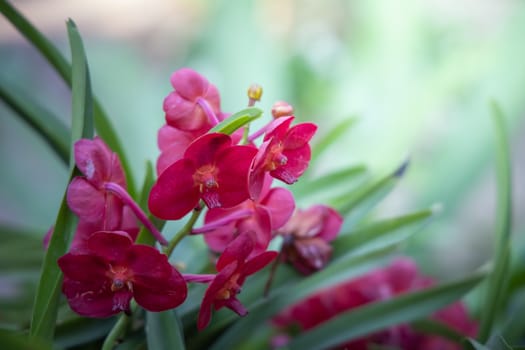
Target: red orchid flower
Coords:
[(402, 276), (258, 217), (285, 153), (233, 268), (195, 103), (101, 281), (307, 235), (211, 169)]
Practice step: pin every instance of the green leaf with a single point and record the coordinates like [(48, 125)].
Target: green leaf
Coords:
[(357, 203), (373, 317), (237, 120), (380, 233), (80, 331), (82, 99), (331, 137), (45, 123), (48, 290), (13, 341), (472, 344), (163, 331), (102, 123), (330, 182), (438, 328), (498, 278)]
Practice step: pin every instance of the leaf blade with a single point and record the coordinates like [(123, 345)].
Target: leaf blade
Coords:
[(237, 120)]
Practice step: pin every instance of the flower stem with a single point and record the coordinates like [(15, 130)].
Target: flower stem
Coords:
[(208, 111), (116, 332), (184, 231), (126, 199), (259, 132)]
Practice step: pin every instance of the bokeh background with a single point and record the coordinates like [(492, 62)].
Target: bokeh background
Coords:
[(417, 77)]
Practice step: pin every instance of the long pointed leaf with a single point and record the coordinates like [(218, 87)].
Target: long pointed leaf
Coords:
[(48, 290), (357, 203), (52, 130), (498, 278), (237, 120), (331, 137), (102, 122), (374, 317), (163, 331)]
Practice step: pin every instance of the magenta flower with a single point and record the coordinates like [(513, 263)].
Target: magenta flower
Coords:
[(233, 268), (256, 217), (400, 277), (195, 103), (100, 197), (211, 169), (285, 153), (101, 281), (307, 235), (86, 196)]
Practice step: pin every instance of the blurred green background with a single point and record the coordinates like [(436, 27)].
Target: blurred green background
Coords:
[(418, 77)]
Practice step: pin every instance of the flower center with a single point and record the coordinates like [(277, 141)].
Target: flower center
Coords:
[(230, 289), (275, 157), (121, 278), (206, 177)]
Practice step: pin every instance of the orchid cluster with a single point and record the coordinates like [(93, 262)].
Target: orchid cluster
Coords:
[(198, 167)]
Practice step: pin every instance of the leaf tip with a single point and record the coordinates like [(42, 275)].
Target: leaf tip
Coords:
[(399, 172)]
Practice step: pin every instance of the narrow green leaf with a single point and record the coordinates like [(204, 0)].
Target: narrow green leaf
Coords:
[(472, 344), (357, 203), (237, 120), (82, 99), (80, 331), (45, 123), (329, 182), (498, 278), (373, 317), (383, 232), (434, 327), (102, 122), (48, 290), (331, 137), (163, 331)]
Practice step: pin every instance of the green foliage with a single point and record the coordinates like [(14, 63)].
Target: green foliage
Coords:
[(237, 120)]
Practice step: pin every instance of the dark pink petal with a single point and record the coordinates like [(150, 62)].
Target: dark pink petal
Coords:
[(85, 200), (218, 239), (93, 159), (299, 135), (296, 165), (258, 227), (159, 294), (148, 262), (238, 250), (235, 305), (278, 128), (88, 269), (84, 230), (233, 165), (189, 84), (112, 246), (221, 217), (173, 143), (402, 275), (99, 302), (280, 204), (332, 222), (184, 114), (258, 262), (129, 223), (312, 254), (205, 148), (174, 194)]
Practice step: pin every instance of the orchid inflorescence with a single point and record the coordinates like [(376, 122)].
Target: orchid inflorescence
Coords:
[(231, 175), (197, 167)]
